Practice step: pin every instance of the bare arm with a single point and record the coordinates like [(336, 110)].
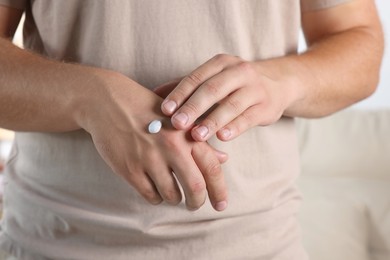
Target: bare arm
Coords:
[(37, 94), (342, 63), (340, 68)]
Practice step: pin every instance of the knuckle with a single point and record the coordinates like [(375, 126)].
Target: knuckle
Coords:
[(133, 173), (234, 104), (171, 141), (180, 93), (190, 108), (213, 170), (153, 156), (194, 79), (197, 187), (245, 123), (172, 196), (248, 116), (212, 88), (212, 123), (221, 58), (150, 195), (246, 68), (261, 97)]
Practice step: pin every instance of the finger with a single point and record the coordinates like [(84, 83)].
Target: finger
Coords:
[(166, 184), (191, 180), (212, 173), (191, 82), (145, 187), (208, 94), (248, 119), (164, 90), (228, 109), (221, 156)]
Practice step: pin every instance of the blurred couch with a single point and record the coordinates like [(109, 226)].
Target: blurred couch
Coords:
[(345, 183)]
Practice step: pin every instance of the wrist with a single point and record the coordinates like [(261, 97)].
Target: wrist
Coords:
[(109, 97), (289, 74), (91, 94)]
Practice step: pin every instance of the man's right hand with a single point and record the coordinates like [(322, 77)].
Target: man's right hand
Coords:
[(117, 116), (115, 111)]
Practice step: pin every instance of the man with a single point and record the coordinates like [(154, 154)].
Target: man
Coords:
[(84, 166)]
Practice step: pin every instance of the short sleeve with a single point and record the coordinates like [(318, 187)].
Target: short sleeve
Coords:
[(310, 5), (18, 4)]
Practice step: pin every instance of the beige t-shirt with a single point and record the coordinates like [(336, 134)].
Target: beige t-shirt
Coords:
[(62, 201)]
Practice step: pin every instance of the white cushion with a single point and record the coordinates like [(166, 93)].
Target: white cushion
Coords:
[(350, 143)]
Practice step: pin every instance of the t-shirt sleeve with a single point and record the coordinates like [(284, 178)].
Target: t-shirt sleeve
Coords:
[(310, 5), (18, 4)]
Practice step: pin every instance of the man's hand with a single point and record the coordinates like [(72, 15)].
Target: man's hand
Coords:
[(246, 95), (116, 112), (117, 121), (340, 68)]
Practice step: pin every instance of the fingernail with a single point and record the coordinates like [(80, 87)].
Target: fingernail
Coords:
[(202, 131), (169, 106), (220, 205), (226, 133), (181, 118)]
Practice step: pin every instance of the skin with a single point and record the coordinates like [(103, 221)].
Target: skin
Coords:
[(345, 41), (340, 68), (115, 111)]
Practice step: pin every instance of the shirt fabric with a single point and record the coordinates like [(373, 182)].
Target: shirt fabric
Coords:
[(62, 201)]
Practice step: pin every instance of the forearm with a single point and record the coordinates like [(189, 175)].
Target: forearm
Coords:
[(37, 94), (333, 74)]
